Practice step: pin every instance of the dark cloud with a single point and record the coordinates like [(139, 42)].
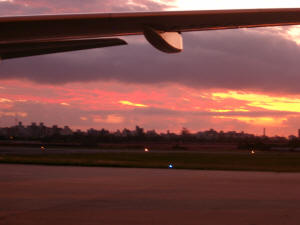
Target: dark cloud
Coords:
[(232, 59)]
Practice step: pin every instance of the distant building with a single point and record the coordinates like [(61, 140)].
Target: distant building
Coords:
[(66, 131), (93, 132), (292, 137)]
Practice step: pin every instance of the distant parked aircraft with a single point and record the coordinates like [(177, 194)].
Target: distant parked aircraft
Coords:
[(37, 35)]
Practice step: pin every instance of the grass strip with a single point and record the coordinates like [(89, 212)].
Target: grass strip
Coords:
[(275, 162)]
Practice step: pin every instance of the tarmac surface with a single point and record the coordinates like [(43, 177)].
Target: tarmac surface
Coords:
[(48, 195)]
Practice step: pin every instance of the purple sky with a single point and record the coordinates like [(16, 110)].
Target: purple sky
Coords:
[(228, 80)]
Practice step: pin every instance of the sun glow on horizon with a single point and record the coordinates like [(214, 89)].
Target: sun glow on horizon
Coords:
[(165, 108)]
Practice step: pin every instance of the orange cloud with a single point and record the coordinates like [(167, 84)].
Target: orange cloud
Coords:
[(21, 114), (266, 121), (111, 119), (287, 104), (114, 119), (133, 104), (65, 104), (228, 110), (5, 100)]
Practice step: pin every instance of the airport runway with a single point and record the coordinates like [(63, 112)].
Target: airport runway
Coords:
[(43, 195)]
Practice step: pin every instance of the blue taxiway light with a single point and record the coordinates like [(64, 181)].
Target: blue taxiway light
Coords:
[(170, 166)]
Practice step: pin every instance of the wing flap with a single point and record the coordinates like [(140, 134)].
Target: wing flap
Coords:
[(16, 50)]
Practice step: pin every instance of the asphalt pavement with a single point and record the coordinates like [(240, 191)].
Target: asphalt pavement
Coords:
[(47, 195)]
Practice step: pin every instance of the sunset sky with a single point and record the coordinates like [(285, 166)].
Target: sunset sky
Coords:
[(243, 80)]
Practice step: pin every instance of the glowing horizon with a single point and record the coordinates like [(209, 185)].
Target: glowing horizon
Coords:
[(226, 110)]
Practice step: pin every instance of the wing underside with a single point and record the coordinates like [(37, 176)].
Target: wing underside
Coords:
[(17, 50), (48, 34)]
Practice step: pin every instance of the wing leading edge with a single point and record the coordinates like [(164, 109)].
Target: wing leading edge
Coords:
[(162, 29)]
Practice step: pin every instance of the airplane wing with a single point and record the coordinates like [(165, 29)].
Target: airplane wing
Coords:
[(36, 35)]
